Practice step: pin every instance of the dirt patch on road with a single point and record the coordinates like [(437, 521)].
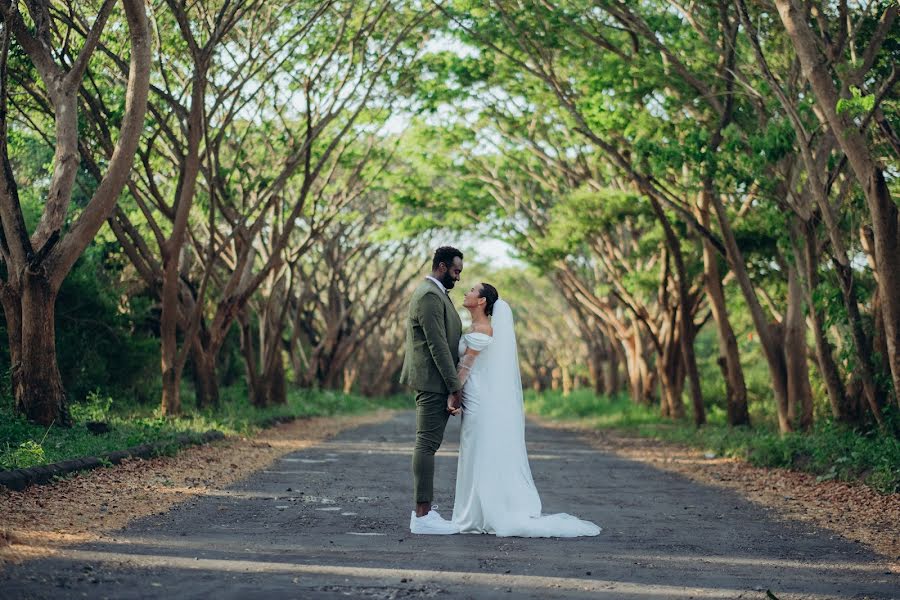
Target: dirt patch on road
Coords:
[(41, 519), (856, 512)]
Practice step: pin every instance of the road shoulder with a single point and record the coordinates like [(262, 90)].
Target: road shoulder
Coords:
[(41, 519), (855, 512)]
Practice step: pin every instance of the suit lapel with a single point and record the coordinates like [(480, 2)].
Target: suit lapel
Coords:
[(453, 311)]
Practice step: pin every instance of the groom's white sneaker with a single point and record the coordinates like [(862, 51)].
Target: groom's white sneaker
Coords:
[(431, 524)]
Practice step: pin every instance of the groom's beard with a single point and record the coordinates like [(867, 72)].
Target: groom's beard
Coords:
[(448, 282)]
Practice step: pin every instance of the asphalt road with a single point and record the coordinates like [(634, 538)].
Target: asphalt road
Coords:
[(332, 522)]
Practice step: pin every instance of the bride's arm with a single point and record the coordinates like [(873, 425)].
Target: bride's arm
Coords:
[(465, 365), (468, 359)]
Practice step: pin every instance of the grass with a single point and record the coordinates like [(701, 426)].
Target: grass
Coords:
[(23, 444), (829, 451)]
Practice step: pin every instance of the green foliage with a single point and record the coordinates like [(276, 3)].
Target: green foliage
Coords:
[(23, 444), (830, 451), (857, 105), (599, 411), (27, 454)]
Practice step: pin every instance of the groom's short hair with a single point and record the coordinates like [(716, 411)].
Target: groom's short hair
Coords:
[(445, 254)]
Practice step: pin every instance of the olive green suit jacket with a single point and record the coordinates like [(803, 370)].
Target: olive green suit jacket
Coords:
[(433, 330)]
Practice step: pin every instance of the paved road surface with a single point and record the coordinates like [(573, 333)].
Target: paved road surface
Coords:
[(332, 522)]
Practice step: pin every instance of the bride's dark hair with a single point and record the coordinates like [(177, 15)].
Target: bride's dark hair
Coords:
[(489, 293)]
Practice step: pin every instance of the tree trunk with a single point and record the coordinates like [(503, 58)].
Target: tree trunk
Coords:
[(39, 392), (689, 362), (799, 409), (254, 389), (168, 330), (171, 250), (671, 372), (879, 339), (685, 336), (566, 380), (732, 371), (12, 312), (638, 370), (206, 384), (841, 409), (613, 379), (769, 337), (276, 382), (350, 376)]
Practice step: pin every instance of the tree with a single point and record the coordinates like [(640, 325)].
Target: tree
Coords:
[(36, 264)]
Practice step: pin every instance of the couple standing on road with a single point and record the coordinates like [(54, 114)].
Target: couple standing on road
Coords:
[(474, 375)]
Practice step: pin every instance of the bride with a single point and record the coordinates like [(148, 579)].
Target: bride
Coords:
[(494, 489)]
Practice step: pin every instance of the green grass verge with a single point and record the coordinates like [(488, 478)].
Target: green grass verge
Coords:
[(23, 444), (828, 451)]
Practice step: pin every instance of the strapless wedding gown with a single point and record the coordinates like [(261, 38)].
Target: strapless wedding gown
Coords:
[(495, 492)]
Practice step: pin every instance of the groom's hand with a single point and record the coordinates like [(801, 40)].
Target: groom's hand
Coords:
[(454, 404)]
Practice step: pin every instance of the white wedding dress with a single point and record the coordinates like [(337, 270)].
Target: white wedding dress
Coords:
[(494, 489)]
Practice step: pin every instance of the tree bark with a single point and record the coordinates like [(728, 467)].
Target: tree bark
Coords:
[(736, 388), (613, 378), (171, 371), (670, 368), (639, 383), (685, 336), (799, 408), (206, 383), (841, 409), (12, 311), (39, 393), (769, 336), (172, 361)]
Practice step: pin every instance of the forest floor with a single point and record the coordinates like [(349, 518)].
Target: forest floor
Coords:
[(319, 509)]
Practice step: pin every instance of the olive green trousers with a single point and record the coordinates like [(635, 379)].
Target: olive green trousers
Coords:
[(431, 421)]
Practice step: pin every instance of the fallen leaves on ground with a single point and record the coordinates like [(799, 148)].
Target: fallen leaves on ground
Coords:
[(40, 519), (856, 512)]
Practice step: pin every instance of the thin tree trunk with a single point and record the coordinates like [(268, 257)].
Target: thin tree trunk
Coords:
[(769, 336), (206, 384), (799, 409), (637, 368), (614, 383), (685, 336), (841, 409), (736, 388), (12, 311), (171, 251), (350, 376), (671, 373), (254, 387), (171, 373), (595, 369)]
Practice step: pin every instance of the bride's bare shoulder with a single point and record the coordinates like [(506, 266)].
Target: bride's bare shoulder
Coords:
[(483, 328)]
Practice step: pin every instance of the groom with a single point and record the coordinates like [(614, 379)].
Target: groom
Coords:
[(432, 342)]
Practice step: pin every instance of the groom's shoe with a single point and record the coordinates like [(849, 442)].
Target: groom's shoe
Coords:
[(431, 524)]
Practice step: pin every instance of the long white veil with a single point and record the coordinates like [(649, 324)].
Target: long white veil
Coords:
[(513, 505)]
